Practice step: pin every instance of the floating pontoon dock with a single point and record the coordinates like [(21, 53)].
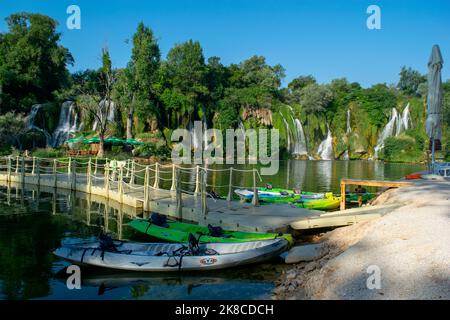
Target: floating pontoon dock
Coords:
[(139, 186)]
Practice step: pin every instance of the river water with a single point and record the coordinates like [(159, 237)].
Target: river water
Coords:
[(32, 223)]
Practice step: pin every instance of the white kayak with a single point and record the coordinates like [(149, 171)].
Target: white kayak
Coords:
[(135, 256)]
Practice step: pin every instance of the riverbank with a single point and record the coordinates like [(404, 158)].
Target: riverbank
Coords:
[(410, 246)]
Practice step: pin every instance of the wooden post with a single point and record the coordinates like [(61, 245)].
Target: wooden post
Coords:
[(255, 200), (22, 172), (197, 180), (230, 186), (121, 183), (69, 167), (174, 178), (342, 195), (34, 165), (9, 168), (88, 176), (156, 184), (38, 168), (133, 168), (88, 210), (146, 188), (203, 194), (179, 196), (106, 178), (73, 175), (55, 174), (95, 166), (128, 168)]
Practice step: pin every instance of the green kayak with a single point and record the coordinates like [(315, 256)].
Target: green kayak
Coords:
[(353, 197), (179, 232)]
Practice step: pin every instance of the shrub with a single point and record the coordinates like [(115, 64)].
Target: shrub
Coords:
[(401, 149), (48, 153), (151, 149)]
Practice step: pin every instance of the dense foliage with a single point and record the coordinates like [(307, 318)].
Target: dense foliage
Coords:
[(32, 63), (156, 95)]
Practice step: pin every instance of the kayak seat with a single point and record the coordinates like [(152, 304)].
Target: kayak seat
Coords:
[(159, 220), (215, 231)]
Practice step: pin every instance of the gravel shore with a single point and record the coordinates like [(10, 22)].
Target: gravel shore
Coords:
[(409, 248)]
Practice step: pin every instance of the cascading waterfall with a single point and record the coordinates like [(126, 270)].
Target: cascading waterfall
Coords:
[(325, 150), (396, 125), (349, 128), (30, 125), (404, 120), (288, 133), (300, 141), (299, 136), (196, 137), (68, 124)]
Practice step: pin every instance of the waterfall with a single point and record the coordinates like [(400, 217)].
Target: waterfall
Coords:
[(396, 125), (406, 117), (30, 125), (288, 133), (325, 150), (349, 128), (196, 136), (68, 123), (346, 155), (110, 117), (32, 116), (300, 141), (299, 135)]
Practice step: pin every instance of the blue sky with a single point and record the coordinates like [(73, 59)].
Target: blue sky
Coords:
[(328, 39)]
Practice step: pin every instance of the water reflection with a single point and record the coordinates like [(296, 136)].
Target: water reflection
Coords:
[(33, 223)]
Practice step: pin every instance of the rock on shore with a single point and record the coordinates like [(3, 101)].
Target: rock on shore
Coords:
[(409, 248)]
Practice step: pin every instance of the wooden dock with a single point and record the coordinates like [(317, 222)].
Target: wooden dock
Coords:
[(138, 187), (368, 183), (135, 186), (344, 218)]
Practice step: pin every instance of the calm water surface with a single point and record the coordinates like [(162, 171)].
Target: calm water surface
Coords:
[(32, 223)]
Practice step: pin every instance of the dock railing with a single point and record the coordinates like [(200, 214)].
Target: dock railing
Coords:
[(130, 178)]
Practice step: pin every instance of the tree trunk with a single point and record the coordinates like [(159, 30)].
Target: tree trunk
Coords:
[(101, 148), (130, 123)]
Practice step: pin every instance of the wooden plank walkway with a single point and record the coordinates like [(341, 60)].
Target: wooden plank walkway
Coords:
[(230, 215), (368, 183), (118, 183)]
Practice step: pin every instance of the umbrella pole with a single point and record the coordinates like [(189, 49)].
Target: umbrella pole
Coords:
[(432, 155)]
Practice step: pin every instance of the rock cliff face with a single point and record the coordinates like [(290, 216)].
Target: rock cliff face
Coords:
[(262, 115)]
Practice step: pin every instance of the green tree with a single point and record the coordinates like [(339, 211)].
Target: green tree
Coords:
[(135, 88), (300, 82), (314, 98), (32, 62), (410, 81), (377, 100), (252, 84), (185, 85), (12, 125), (97, 104)]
